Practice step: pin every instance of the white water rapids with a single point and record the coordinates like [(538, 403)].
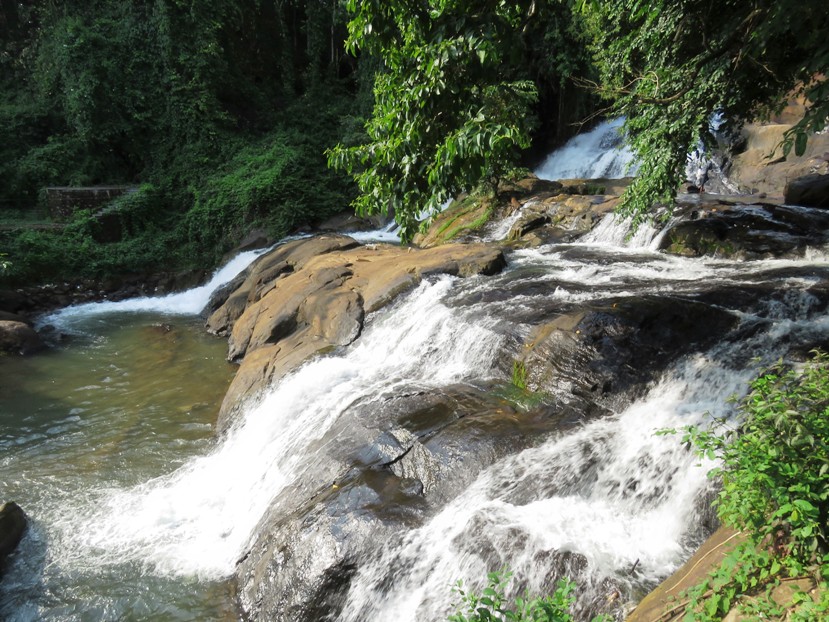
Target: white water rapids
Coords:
[(622, 503), (198, 520), (609, 491), (599, 153)]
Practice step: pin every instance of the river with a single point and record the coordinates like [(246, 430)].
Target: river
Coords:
[(140, 513)]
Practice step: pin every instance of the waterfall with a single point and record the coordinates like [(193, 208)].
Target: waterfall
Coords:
[(592, 502), (614, 230), (599, 153), (197, 520), (612, 494)]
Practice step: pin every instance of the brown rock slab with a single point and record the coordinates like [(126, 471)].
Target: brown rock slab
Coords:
[(310, 296), (656, 605)]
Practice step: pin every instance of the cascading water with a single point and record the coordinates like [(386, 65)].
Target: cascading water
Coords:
[(608, 494), (189, 302), (596, 154), (130, 518), (612, 504), (198, 520)]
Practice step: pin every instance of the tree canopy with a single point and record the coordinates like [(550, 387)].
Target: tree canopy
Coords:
[(454, 96), (222, 112), (667, 66)]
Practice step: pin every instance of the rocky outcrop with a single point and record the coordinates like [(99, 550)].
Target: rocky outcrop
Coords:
[(540, 211), (19, 338), (809, 190), (13, 525), (560, 218), (724, 228), (401, 457), (309, 296), (761, 167), (602, 355)]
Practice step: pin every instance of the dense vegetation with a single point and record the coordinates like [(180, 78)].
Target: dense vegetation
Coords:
[(219, 112), (775, 490), (222, 112), (665, 65)]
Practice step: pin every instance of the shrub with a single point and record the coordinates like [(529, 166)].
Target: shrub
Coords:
[(775, 489)]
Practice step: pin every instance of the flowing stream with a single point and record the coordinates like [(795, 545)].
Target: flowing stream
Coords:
[(139, 513)]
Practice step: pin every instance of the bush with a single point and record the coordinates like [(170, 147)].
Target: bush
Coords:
[(492, 604), (775, 489)]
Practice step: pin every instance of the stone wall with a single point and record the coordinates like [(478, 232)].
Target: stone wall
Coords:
[(65, 201)]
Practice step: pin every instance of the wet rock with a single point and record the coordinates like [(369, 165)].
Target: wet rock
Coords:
[(415, 462), (565, 218), (602, 354), (725, 229), (313, 295), (348, 221), (810, 190), (19, 338), (13, 523), (412, 452)]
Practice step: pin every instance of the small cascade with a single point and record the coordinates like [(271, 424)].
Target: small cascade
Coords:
[(189, 302), (613, 505), (388, 234), (602, 501), (614, 230), (599, 153)]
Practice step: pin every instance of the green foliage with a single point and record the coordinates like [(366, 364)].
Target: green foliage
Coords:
[(492, 605), (775, 489), (217, 108), (452, 102), (668, 65)]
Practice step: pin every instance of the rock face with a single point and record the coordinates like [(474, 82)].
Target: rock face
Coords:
[(809, 190), (309, 296), (13, 524), (761, 168), (17, 337), (602, 355), (725, 229)]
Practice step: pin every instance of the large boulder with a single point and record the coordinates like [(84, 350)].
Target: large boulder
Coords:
[(19, 338), (604, 354), (310, 296), (761, 168), (747, 231), (809, 190), (13, 525), (402, 457)]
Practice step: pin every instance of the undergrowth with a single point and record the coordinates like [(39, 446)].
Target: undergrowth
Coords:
[(775, 490), (492, 604)]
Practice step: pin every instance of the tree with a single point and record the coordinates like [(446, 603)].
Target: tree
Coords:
[(453, 98), (444, 116), (667, 65)]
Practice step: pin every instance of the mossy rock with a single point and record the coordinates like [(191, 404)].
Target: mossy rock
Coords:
[(466, 215)]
